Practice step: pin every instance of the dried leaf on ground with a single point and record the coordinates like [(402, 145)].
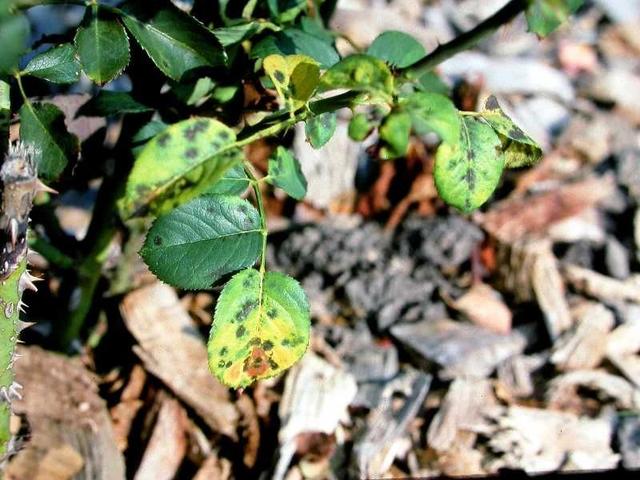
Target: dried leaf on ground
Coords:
[(533, 215), (172, 349)]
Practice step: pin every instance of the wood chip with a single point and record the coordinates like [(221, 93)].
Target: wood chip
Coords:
[(71, 434), (538, 440), (172, 350), (214, 468), (515, 374), (629, 366), (167, 446), (461, 349), (530, 271), (402, 398), (532, 216), (460, 410), (562, 391), (584, 346), (485, 308), (315, 399), (602, 287), (636, 233)]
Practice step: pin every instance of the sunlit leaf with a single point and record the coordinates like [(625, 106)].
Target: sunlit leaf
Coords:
[(179, 164), (467, 172), (320, 128), (398, 49), (295, 78), (518, 148), (103, 46), (360, 73), (57, 65), (359, 127), (544, 16), (260, 327), (285, 173), (432, 112), (394, 133), (197, 243)]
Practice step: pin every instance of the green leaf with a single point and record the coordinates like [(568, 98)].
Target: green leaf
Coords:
[(5, 114), (285, 11), (544, 16), (242, 31), (430, 82), (179, 164), (394, 133), (295, 78), (42, 125), (103, 46), (320, 128), (518, 148), (285, 173), (146, 133), (14, 33), (233, 182), (107, 103), (361, 73), (397, 49), (197, 243), (260, 327), (297, 42), (359, 127), (195, 92), (467, 172), (57, 65), (432, 112), (175, 41)]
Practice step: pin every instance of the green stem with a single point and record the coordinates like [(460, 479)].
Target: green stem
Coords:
[(468, 39), (255, 186), (51, 253)]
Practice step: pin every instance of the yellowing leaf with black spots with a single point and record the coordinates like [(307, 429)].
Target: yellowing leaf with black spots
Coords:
[(197, 243), (260, 327), (360, 73), (179, 164), (519, 149), (294, 76), (467, 172)]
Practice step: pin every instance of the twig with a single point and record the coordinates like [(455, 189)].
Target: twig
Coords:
[(470, 38)]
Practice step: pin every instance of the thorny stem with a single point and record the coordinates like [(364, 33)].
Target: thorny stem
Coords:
[(469, 38)]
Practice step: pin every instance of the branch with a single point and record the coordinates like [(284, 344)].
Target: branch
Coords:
[(470, 38)]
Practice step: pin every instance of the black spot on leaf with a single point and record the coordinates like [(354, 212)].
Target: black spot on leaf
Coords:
[(240, 331), (279, 76), (191, 153)]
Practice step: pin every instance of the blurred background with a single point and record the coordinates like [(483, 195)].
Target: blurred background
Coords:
[(442, 343)]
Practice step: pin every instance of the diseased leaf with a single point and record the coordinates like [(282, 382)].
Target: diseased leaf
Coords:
[(243, 31), (432, 112), (197, 243), (320, 128), (260, 327), (14, 33), (361, 73), (57, 65), (518, 148), (284, 11), (107, 103), (146, 133), (175, 41), (397, 49), (295, 78), (467, 172), (544, 16), (430, 82), (394, 133), (285, 173), (359, 127), (233, 182), (103, 46), (297, 42), (42, 125), (179, 164)]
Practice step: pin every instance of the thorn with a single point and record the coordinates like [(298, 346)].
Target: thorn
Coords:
[(33, 278), (41, 187), (13, 231), (27, 283), (22, 325), (22, 307)]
